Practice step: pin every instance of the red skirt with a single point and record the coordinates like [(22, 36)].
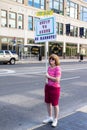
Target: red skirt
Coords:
[(52, 94)]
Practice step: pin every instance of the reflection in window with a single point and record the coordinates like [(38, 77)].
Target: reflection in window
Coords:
[(3, 18), (83, 14), (37, 3), (71, 9), (30, 23)]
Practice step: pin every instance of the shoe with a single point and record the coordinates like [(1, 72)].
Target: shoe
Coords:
[(48, 120), (54, 124)]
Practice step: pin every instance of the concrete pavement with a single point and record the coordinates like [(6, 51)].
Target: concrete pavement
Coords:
[(74, 121)]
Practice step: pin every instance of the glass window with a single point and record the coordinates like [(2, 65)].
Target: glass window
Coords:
[(35, 19), (71, 9), (30, 23), (20, 21), (51, 4), (76, 31), (3, 13), (20, 1), (12, 19), (73, 31), (30, 2), (3, 22), (37, 3), (59, 28), (83, 14), (57, 6), (4, 40), (3, 18), (42, 4)]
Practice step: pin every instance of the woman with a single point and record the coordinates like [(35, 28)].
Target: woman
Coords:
[(52, 89)]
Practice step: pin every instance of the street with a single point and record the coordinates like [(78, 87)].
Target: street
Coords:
[(22, 93)]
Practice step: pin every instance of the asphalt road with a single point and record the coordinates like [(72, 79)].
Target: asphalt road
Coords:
[(22, 93)]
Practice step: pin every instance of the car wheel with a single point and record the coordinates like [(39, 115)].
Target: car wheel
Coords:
[(12, 61)]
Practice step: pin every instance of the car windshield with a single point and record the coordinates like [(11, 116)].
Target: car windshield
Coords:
[(13, 52)]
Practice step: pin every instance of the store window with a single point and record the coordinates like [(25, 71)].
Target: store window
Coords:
[(37, 3), (57, 6), (4, 46), (30, 23), (3, 18), (12, 20), (71, 9), (20, 21)]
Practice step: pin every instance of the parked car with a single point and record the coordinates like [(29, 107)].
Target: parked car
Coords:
[(7, 56)]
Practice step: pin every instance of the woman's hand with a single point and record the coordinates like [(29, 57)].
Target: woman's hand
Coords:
[(47, 75)]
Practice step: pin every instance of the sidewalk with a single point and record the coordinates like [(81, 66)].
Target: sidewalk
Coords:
[(35, 60), (75, 121)]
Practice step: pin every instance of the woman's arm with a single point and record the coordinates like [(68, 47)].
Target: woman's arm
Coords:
[(55, 79)]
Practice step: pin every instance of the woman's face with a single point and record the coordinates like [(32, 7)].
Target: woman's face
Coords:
[(52, 61)]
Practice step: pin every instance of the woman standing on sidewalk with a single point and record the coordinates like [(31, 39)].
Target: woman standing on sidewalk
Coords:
[(52, 89)]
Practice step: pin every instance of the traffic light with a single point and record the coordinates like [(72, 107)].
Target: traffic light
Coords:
[(81, 31), (67, 29)]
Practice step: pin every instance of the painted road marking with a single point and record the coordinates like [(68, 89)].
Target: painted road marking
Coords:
[(6, 71), (77, 77)]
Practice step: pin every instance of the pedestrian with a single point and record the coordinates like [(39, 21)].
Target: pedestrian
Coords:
[(52, 89)]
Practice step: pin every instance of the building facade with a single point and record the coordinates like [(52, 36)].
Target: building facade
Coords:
[(17, 26)]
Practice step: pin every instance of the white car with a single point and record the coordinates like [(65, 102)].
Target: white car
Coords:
[(7, 56)]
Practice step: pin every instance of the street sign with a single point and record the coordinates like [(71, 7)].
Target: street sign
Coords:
[(45, 30)]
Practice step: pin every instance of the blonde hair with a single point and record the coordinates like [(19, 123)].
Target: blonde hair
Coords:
[(56, 58)]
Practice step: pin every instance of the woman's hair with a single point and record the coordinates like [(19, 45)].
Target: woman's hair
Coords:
[(56, 58)]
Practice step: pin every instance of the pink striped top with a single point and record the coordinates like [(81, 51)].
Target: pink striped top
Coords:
[(54, 72)]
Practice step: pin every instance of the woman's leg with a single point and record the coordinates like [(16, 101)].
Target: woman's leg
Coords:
[(49, 109), (56, 111)]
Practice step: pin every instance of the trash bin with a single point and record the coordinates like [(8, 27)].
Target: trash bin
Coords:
[(81, 57), (40, 57)]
